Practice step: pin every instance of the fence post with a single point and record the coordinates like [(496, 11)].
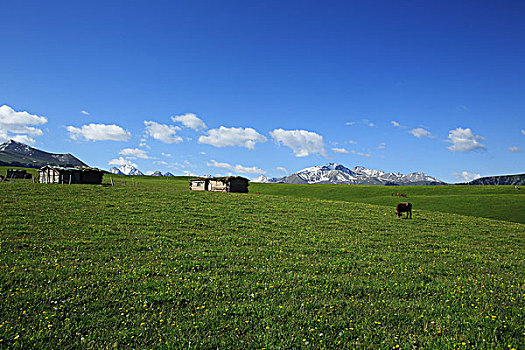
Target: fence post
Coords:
[(111, 178)]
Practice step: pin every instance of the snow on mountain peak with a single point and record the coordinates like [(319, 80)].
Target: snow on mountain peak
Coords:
[(339, 174), (125, 170)]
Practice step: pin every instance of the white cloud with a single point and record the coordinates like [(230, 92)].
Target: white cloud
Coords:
[(523, 132), (284, 170), (160, 162), (99, 132), (84, 112), (420, 132), (363, 121), (352, 142), (190, 120), (224, 136), (19, 123), (23, 139), (135, 152), (121, 161), (463, 140), (515, 149), (340, 150), (166, 154), (465, 176), (396, 124), (162, 132), (366, 155), (236, 168), (368, 122), (302, 142), (382, 145)]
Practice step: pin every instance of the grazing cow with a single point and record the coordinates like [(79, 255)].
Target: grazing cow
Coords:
[(404, 208)]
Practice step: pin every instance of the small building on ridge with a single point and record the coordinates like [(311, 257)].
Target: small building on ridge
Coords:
[(237, 184)]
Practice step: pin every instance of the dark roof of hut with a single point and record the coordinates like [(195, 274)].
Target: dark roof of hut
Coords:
[(59, 168)]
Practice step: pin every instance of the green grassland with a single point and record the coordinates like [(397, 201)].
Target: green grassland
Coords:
[(149, 264), (494, 202)]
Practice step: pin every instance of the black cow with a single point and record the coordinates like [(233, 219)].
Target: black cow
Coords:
[(404, 208)]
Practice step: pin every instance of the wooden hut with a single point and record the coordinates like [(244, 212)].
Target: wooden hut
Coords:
[(80, 175), (220, 184), (17, 174)]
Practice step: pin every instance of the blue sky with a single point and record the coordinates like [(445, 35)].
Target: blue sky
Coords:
[(250, 88)]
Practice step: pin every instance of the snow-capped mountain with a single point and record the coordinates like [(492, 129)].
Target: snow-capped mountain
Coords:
[(339, 174), (14, 153), (265, 179), (125, 170), (116, 171)]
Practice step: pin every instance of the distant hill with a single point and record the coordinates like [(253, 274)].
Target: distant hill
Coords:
[(17, 154), (339, 174), (514, 180)]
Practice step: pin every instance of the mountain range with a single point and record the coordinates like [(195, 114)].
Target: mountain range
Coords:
[(514, 180), (131, 170), (17, 154), (333, 173)]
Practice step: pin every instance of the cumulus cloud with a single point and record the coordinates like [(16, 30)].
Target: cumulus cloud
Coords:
[(465, 176), (302, 142), (99, 132), (190, 120), (84, 112), (13, 122), (236, 168), (284, 170), (189, 173), (222, 137), (463, 140), (420, 132), (135, 152), (23, 139), (340, 150), (515, 149), (162, 132), (396, 124), (121, 161)]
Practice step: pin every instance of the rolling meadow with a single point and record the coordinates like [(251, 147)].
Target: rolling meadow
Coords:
[(149, 264)]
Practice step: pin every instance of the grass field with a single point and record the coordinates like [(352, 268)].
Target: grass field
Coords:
[(494, 202), (149, 264)]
